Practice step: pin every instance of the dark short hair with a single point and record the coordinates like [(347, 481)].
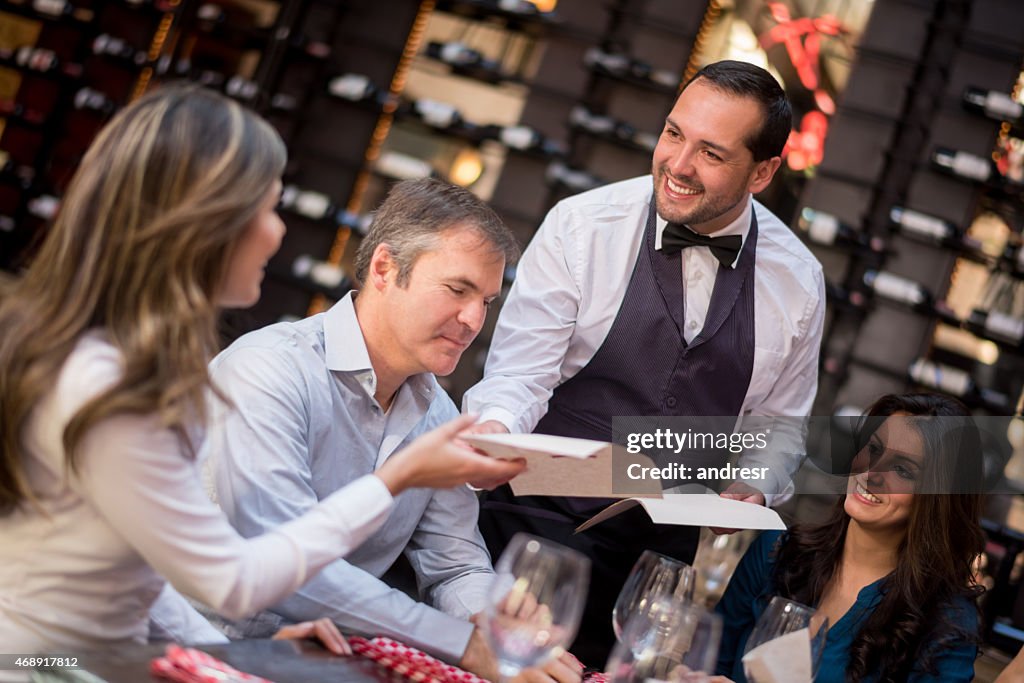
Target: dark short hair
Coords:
[(415, 213), (748, 80)]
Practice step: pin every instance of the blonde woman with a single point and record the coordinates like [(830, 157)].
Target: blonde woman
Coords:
[(104, 346)]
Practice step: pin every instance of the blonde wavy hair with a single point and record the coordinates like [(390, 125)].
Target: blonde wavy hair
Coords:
[(139, 251)]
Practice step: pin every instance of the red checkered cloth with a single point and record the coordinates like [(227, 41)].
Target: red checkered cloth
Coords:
[(420, 667), (414, 664), (187, 665)]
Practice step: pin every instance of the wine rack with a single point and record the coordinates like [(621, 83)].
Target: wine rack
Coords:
[(903, 180)]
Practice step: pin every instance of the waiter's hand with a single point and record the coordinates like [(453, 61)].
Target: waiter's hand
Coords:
[(743, 492), (488, 427)]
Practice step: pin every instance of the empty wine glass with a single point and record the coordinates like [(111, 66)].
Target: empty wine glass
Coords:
[(535, 603), (673, 640), (653, 576), (716, 560), (780, 618)]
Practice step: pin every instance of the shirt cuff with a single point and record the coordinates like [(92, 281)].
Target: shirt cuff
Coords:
[(502, 415), (441, 635), (773, 499)]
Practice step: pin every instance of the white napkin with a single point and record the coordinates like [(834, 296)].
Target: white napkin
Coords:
[(786, 659)]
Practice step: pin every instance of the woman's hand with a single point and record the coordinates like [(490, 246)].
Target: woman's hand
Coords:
[(323, 630), (439, 460)]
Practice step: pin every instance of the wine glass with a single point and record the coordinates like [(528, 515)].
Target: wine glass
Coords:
[(673, 640), (716, 560), (535, 603), (653, 576), (781, 617)]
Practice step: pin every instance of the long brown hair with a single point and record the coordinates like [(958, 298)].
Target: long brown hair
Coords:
[(934, 561), (138, 251)]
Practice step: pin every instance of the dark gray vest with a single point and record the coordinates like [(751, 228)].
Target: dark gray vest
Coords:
[(645, 367)]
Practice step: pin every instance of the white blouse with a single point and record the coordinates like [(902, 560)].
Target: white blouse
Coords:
[(81, 570)]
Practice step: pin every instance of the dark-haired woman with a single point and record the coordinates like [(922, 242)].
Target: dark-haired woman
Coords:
[(891, 568)]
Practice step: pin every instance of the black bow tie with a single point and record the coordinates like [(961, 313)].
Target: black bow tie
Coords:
[(677, 237)]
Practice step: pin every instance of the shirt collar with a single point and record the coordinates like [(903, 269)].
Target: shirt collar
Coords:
[(740, 226), (345, 349)]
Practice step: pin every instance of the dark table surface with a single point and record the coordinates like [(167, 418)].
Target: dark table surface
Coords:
[(281, 661)]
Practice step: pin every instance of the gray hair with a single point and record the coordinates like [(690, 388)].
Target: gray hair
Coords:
[(415, 214)]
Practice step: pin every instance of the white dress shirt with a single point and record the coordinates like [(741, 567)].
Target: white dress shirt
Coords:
[(700, 268), (573, 278), (82, 570)]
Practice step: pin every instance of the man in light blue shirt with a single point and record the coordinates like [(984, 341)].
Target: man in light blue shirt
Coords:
[(320, 402)]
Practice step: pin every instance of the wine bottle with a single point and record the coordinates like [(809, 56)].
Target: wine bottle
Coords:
[(326, 275), (458, 54), (313, 205), (526, 139), (359, 223), (247, 91), (39, 60), (62, 9), (603, 126), (957, 382), (211, 13), (353, 87), (93, 100), (44, 206), (925, 228), (402, 166), (436, 114), (112, 46), (996, 326), (899, 289), (965, 165), (998, 106), (825, 229), (972, 167), (465, 61), (581, 117), (574, 179), (623, 66), (520, 7)]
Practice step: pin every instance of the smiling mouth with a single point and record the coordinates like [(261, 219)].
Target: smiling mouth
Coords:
[(679, 189), (864, 493)]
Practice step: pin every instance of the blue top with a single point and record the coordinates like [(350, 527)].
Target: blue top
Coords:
[(750, 590)]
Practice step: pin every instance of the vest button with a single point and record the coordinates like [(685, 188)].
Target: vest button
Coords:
[(670, 401)]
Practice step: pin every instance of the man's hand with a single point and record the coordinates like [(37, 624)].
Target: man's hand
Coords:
[(323, 630), (563, 669), (743, 492), (479, 659), (488, 427)]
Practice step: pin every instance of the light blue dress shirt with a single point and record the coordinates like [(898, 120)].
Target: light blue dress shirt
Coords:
[(304, 424)]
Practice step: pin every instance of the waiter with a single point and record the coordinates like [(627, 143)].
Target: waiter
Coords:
[(677, 297)]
